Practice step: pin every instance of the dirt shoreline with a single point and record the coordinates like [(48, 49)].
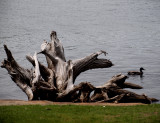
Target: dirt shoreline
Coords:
[(6, 102)]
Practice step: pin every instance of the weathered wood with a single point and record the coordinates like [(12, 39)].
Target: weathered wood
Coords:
[(54, 48), (46, 73), (129, 96), (90, 62), (17, 73), (112, 92), (57, 45), (36, 73), (99, 95), (130, 85), (85, 91), (56, 82), (62, 71), (81, 92)]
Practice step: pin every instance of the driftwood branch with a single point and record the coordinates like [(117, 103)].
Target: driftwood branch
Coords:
[(18, 74)]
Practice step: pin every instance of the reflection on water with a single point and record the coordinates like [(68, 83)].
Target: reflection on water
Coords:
[(128, 30)]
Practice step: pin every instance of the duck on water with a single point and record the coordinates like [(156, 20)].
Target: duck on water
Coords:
[(140, 72)]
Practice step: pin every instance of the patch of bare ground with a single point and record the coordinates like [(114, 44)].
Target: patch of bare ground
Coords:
[(22, 102)]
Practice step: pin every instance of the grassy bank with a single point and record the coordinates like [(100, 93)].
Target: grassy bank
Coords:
[(78, 114)]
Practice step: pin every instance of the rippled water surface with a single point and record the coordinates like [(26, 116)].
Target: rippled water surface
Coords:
[(129, 30)]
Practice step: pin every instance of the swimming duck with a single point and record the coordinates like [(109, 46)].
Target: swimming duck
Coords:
[(136, 72)]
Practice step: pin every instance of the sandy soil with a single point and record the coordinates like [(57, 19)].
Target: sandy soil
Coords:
[(21, 102)]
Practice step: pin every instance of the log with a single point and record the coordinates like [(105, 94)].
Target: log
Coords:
[(130, 85), (56, 82), (112, 91)]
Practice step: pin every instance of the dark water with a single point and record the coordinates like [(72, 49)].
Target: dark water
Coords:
[(129, 30)]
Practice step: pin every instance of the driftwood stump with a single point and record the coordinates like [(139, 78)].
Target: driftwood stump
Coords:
[(55, 82)]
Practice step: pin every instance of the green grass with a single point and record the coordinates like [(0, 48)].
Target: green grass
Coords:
[(79, 114)]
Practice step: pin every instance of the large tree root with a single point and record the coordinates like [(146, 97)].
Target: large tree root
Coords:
[(56, 81)]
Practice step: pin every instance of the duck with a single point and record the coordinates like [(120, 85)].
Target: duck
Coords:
[(140, 72)]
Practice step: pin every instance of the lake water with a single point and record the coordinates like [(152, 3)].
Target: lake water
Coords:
[(129, 30)]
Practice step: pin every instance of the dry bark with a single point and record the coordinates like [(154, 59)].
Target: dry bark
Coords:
[(56, 81)]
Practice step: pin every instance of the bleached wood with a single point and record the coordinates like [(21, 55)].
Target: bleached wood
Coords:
[(56, 82)]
